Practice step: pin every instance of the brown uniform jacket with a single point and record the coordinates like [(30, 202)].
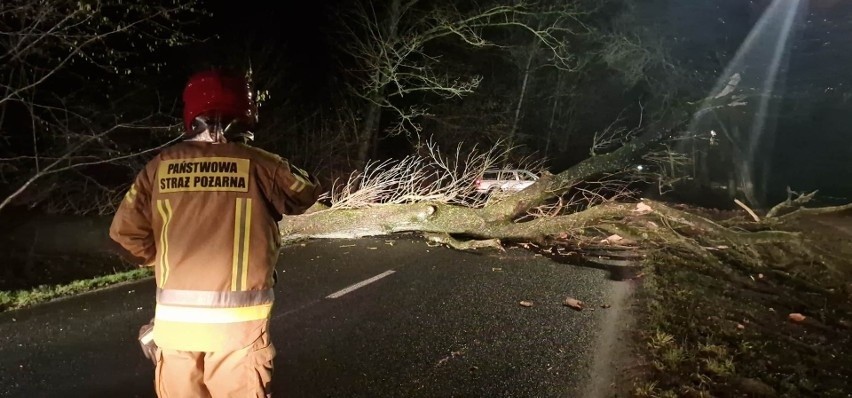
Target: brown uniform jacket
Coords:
[(205, 216)]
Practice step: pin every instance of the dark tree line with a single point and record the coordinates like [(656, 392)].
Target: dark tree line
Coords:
[(90, 91)]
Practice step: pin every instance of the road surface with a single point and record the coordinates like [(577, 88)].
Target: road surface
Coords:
[(375, 317)]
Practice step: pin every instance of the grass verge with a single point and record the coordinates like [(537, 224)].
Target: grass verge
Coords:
[(11, 300), (716, 316)]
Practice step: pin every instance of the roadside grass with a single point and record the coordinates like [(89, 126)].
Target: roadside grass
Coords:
[(716, 323), (12, 300)]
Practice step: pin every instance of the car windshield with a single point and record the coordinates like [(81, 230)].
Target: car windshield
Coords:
[(526, 175), (509, 175)]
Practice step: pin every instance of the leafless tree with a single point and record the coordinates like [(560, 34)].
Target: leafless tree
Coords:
[(66, 92), (396, 66), (530, 57)]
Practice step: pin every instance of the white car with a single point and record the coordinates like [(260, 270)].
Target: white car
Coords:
[(505, 180)]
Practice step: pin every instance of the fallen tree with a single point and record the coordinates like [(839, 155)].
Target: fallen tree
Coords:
[(407, 197), (435, 194)]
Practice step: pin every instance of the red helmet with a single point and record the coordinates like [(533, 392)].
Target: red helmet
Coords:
[(218, 93)]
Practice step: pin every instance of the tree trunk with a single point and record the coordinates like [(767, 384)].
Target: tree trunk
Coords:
[(556, 94), (368, 134), (527, 71), (437, 218)]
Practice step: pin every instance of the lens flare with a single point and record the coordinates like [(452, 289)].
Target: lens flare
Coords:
[(739, 107)]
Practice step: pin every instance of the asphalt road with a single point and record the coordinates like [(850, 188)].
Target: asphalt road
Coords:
[(431, 322)]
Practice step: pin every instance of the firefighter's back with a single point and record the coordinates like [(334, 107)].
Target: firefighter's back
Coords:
[(215, 210), (204, 214)]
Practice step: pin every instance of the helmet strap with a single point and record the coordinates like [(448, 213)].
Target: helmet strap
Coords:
[(208, 129), (208, 136), (217, 130)]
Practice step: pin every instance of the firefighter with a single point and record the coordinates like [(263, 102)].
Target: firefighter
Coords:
[(204, 214)]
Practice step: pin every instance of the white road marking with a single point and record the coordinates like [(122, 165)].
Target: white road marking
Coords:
[(359, 284)]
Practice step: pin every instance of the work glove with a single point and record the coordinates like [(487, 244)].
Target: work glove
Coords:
[(146, 340)]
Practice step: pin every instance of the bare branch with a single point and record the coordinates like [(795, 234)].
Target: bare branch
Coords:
[(429, 176), (390, 46), (49, 50), (614, 136)]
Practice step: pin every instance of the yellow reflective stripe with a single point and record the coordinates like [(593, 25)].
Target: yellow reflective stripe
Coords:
[(301, 179), (212, 315), (298, 185), (235, 272), (166, 245), (165, 210), (131, 194), (246, 240)]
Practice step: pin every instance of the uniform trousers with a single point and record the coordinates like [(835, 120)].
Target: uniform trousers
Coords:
[(246, 372)]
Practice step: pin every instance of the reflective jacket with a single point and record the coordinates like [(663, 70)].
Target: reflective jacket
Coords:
[(205, 216)]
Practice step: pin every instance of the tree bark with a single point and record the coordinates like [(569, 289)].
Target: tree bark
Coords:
[(553, 114), (525, 81), (437, 218), (368, 134)]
